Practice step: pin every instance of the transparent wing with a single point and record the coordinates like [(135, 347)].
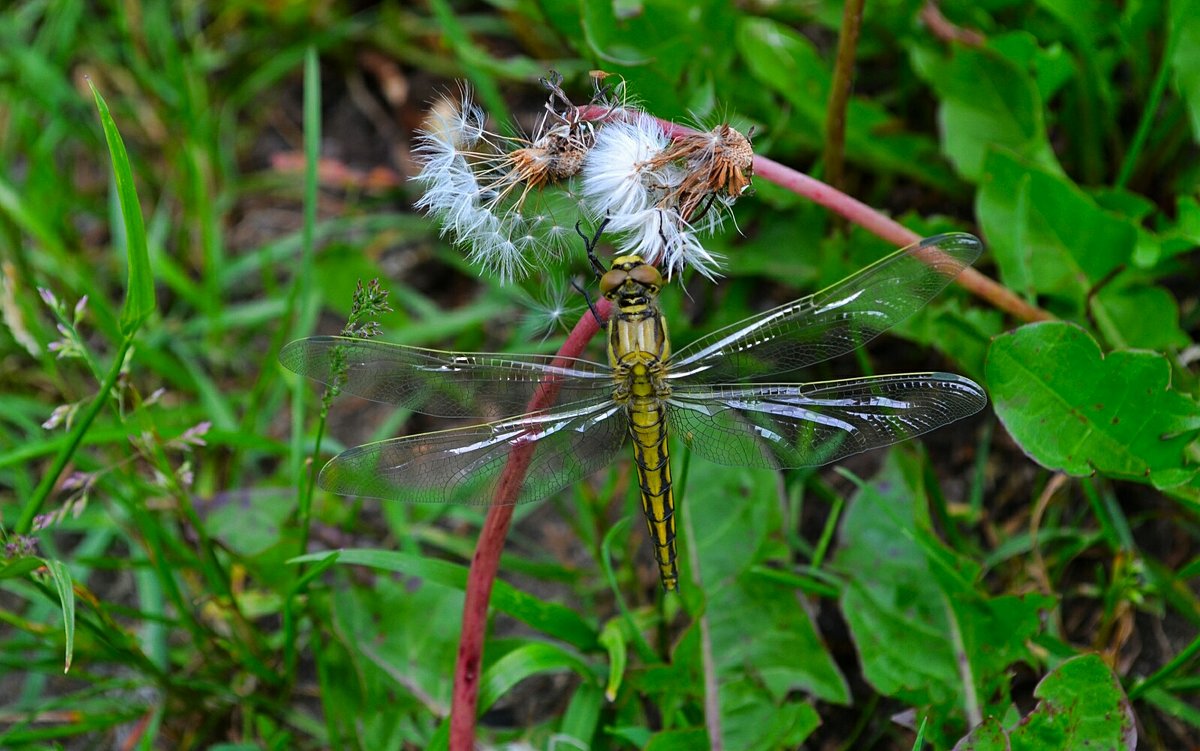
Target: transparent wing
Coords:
[(831, 322), (805, 425), (446, 384), (465, 465)]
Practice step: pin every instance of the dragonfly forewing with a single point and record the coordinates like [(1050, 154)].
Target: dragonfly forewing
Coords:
[(806, 425), (445, 384), (832, 322), (465, 465)]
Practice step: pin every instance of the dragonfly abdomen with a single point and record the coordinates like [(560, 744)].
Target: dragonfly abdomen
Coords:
[(648, 428)]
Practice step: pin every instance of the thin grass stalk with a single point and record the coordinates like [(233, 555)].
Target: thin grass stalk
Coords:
[(834, 155), (34, 505), (712, 696)]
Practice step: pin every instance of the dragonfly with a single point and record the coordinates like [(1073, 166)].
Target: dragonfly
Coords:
[(721, 395)]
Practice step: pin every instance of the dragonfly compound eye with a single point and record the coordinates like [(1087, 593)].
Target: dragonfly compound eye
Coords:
[(612, 280), (646, 275)]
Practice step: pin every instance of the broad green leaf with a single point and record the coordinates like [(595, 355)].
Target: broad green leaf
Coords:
[(527, 660), (253, 521), (653, 45), (1185, 57), (1047, 235), (1138, 316), (733, 510), (677, 740), (985, 102), (1073, 409), (784, 651), (753, 720), (922, 624), (1082, 707), (549, 617), (1052, 66), (987, 736), (139, 290), (961, 331), (890, 600), (735, 515), (393, 656), (60, 575)]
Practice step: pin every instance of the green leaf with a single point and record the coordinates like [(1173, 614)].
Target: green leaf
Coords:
[(612, 638), (582, 717), (139, 290), (960, 331), (1088, 20), (1082, 706), (549, 617), (1047, 235), (1130, 315), (60, 575), (987, 736), (733, 510), (925, 629), (786, 653), (1185, 56), (394, 650), (735, 515), (678, 740), (752, 719), (1074, 410), (19, 567), (986, 102), (525, 661)]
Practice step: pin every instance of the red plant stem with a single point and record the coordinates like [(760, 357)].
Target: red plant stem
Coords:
[(894, 232), (880, 224), (486, 561), (943, 29)]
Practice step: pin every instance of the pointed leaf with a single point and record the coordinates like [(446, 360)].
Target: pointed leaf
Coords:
[(61, 576), (139, 289)]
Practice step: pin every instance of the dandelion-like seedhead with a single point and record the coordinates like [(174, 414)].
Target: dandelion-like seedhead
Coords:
[(511, 202), (494, 194), (549, 309)]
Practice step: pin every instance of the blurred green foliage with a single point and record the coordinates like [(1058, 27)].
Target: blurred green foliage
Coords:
[(938, 587)]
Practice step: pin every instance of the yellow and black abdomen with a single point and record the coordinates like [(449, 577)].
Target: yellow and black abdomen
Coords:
[(648, 428)]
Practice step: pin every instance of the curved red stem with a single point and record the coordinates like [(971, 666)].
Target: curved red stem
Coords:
[(486, 561)]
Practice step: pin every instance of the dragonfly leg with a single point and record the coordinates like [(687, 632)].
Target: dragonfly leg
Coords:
[(590, 243)]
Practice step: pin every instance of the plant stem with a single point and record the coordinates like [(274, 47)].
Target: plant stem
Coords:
[(486, 560), (878, 224), (889, 229), (839, 93), (1150, 113), (34, 505), (712, 695)]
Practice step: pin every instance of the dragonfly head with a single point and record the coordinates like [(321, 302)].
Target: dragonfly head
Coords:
[(630, 282)]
